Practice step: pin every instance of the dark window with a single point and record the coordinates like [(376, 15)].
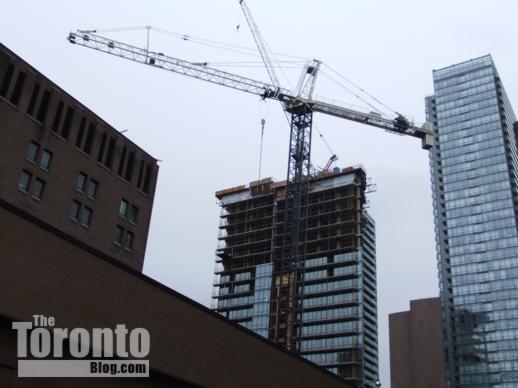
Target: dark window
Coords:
[(67, 123), (140, 172), (86, 216), (133, 214), (128, 244), (7, 80), (119, 234), (17, 92), (101, 148), (75, 209), (37, 188), (25, 180), (32, 151), (121, 162), (92, 188), (57, 117), (89, 139), (147, 179), (129, 166), (109, 154), (46, 158), (81, 132), (34, 98), (123, 208), (44, 105), (81, 181)]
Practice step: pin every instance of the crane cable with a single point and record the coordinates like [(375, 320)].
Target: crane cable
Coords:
[(361, 89), (350, 91), (206, 42), (264, 115), (263, 121), (324, 140)]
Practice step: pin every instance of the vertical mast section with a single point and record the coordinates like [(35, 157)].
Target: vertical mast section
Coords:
[(288, 284)]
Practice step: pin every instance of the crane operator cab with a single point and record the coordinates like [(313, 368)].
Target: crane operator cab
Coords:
[(401, 124), (269, 93)]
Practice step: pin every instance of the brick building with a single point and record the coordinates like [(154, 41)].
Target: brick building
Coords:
[(62, 163), (416, 346)]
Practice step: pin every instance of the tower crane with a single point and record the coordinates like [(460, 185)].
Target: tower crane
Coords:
[(299, 106)]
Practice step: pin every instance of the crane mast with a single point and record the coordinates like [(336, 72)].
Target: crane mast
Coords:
[(289, 267)]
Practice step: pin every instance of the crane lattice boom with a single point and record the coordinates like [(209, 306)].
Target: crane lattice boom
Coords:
[(261, 45), (196, 70)]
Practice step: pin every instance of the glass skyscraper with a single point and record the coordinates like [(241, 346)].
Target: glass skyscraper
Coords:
[(474, 178)]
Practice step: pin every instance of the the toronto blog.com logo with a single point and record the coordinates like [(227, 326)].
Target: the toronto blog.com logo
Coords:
[(45, 350)]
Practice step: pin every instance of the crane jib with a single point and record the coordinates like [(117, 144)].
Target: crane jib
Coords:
[(262, 89)]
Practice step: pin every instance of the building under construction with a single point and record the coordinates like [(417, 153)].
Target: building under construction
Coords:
[(336, 324)]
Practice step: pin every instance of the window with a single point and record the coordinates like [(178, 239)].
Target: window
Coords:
[(140, 172), (128, 244), (34, 97), (129, 167), (81, 132), (17, 92), (44, 105), (123, 208), (67, 123), (75, 209), (7, 80), (89, 139), (32, 151), (46, 158), (37, 188), (109, 154), (101, 148), (25, 180), (122, 161), (86, 216), (81, 181), (133, 213), (144, 176), (119, 234), (92, 189), (128, 211), (147, 179), (57, 117)]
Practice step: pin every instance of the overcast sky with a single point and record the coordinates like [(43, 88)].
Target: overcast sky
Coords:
[(207, 136)]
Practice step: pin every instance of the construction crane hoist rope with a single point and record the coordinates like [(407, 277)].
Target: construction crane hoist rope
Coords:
[(299, 107)]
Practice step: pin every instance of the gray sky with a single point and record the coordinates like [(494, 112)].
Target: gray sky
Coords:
[(208, 136)]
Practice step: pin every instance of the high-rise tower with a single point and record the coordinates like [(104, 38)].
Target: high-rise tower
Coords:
[(474, 178), (338, 321)]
